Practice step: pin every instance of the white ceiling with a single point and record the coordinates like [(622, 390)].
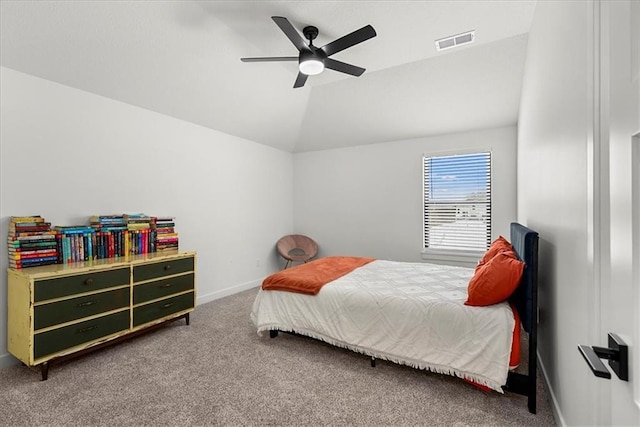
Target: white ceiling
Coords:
[(182, 59)]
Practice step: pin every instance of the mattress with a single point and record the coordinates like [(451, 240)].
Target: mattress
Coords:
[(408, 313)]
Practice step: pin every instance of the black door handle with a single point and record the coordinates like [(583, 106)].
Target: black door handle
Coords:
[(617, 353)]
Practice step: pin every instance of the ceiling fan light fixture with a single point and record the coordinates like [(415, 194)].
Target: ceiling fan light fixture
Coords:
[(311, 67)]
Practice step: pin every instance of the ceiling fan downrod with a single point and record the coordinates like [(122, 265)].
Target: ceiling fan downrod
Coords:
[(310, 33)]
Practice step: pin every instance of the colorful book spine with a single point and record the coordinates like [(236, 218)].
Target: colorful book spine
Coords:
[(32, 254), (37, 238), (32, 218)]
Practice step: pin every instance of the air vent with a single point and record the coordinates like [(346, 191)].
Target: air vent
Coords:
[(457, 40)]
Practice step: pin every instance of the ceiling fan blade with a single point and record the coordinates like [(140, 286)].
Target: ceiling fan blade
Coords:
[(290, 32), (358, 36), (270, 59), (343, 67), (300, 80)]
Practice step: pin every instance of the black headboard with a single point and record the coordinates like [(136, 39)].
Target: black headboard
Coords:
[(525, 297), (525, 242)]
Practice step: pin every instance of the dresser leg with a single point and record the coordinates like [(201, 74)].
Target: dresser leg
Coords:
[(44, 371), (186, 317)]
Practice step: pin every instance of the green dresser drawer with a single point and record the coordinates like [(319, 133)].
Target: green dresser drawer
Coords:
[(76, 308), (71, 285), (150, 312), (162, 288), (164, 268), (60, 339)]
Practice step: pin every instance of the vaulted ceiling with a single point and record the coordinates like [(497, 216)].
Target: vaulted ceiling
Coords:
[(182, 59)]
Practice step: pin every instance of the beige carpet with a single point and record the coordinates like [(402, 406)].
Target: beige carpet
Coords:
[(218, 371)]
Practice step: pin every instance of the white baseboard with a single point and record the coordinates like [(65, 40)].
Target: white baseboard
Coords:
[(557, 414), (203, 299), (7, 360)]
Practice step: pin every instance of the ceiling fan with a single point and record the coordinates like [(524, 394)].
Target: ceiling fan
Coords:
[(311, 59)]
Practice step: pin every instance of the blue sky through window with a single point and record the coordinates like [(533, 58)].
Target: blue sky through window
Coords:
[(459, 177)]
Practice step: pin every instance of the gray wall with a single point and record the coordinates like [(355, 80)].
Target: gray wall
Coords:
[(68, 154), (367, 200)]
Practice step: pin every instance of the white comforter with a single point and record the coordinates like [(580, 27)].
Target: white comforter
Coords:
[(408, 313)]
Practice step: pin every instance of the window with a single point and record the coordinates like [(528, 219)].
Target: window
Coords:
[(457, 202)]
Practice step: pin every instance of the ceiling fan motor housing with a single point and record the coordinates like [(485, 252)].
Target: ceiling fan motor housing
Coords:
[(310, 33), (313, 54)]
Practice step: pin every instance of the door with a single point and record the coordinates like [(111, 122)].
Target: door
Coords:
[(620, 120)]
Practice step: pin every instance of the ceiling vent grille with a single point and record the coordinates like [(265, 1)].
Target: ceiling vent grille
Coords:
[(457, 40)]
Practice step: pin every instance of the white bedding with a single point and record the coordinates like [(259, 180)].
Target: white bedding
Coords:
[(408, 313)]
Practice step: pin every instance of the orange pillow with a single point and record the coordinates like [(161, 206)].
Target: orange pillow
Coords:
[(494, 281), (499, 245)]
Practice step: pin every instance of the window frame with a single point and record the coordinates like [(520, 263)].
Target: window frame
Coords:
[(463, 257)]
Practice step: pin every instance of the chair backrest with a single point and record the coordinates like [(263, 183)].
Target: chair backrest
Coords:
[(297, 247)]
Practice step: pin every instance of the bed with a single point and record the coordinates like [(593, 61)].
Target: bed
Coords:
[(414, 314)]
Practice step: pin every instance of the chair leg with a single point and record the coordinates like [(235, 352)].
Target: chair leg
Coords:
[(287, 264)]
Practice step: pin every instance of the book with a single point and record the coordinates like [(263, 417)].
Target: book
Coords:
[(106, 219), (32, 237), (23, 224), (164, 229), (32, 218), (37, 259), (28, 251), (35, 244), (33, 233), (22, 256), (110, 227), (20, 264), (137, 218), (74, 229), (164, 238), (139, 221), (137, 225), (29, 228)]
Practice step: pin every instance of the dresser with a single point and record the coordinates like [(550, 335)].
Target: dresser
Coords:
[(56, 312)]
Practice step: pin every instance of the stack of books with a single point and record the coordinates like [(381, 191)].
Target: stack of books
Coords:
[(111, 236), (31, 242), (75, 243), (141, 236), (108, 221), (166, 236)]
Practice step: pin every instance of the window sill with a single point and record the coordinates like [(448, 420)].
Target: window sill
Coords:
[(451, 257)]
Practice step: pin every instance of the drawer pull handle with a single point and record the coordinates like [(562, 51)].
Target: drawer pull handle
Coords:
[(167, 267), (167, 305), (87, 329), (88, 282), (88, 303), (166, 285)]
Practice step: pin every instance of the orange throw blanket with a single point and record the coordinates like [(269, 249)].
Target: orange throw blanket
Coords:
[(309, 278)]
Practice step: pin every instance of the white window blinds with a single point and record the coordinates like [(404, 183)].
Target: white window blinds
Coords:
[(457, 202)]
